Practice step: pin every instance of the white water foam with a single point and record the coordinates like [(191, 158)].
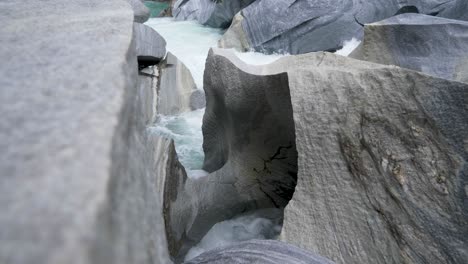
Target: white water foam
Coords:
[(348, 47), (185, 130), (260, 224)]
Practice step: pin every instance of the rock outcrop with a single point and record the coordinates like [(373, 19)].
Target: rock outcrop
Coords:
[(302, 26), (381, 154), (433, 45), (382, 164), (211, 13), (260, 252), (140, 12), (78, 169), (150, 46), (177, 90)]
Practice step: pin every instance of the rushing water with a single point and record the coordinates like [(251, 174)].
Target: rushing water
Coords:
[(259, 224), (190, 43)]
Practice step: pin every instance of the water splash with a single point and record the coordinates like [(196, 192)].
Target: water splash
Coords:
[(348, 47), (260, 224)]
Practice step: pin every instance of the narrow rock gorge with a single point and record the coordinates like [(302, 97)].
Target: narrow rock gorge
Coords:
[(208, 131)]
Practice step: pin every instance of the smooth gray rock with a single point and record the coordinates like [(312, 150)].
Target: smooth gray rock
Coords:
[(177, 92), (197, 99), (78, 180), (211, 13), (140, 12), (260, 252), (435, 46), (150, 46), (382, 156), (301, 26)]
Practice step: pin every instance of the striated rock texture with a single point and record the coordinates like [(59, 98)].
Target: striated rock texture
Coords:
[(260, 252), (140, 12), (301, 26), (382, 172), (177, 91), (78, 169), (150, 46), (211, 13), (435, 46)]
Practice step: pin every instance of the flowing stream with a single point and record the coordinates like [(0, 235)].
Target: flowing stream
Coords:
[(190, 43)]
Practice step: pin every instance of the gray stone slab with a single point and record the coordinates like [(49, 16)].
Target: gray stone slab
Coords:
[(433, 45), (77, 182)]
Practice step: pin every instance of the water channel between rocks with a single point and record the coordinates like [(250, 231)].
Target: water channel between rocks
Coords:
[(190, 42)]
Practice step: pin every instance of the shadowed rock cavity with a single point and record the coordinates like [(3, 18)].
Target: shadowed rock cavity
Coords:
[(248, 131), (433, 45), (302, 26)]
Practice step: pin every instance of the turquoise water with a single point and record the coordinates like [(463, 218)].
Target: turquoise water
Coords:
[(156, 7)]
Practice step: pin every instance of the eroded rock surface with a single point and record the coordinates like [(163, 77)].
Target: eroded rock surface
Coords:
[(261, 252), (381, 155), (301, 26), (433, 45)]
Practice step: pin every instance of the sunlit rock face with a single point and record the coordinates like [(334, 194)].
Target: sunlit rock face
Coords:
[(381, 155), (303, 26), (261, 252), (433, 45)]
